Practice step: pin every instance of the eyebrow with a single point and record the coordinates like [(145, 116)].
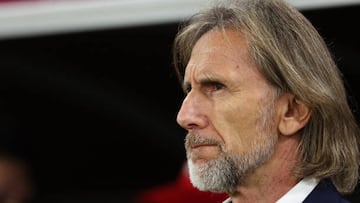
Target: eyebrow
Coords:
[(207, 80), (210, 79)]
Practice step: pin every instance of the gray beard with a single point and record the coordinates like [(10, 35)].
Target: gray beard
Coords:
[(227, 172)]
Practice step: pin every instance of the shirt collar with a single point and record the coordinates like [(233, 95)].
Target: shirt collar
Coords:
[(228, 200), (300, 191), (297, 194)]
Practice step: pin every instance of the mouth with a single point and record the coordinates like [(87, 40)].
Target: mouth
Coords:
[(195, 141), (200, 153), (195, 146), (201, 149)]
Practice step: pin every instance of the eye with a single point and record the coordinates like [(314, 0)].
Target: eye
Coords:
[(213, 86), (218, 86)]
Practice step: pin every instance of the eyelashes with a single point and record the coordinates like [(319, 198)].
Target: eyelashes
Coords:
[(207, 86)]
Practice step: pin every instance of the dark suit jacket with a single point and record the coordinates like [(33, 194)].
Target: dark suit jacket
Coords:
[(325, 192)]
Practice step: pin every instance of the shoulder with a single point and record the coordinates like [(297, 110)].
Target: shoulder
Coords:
[(325, 192)]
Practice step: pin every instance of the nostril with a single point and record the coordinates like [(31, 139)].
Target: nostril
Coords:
[(191, 126)]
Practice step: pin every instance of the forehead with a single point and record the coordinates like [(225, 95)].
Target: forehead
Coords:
[(220, 52)]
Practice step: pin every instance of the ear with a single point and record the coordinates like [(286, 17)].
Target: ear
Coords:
[(294, 114)]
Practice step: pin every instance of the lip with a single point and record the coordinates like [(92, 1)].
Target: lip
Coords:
[(203, 152), (202, 145)]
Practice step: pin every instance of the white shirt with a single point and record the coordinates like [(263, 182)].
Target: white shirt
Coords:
[(298, 193)]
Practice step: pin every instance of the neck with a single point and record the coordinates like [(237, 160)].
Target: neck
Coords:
[(272, 180)]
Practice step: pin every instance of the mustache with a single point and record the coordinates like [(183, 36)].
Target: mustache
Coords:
[(192, 140)]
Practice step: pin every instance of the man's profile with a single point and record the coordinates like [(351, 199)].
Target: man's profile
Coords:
[(265, 109)]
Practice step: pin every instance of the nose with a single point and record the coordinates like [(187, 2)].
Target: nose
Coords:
[(192, 114)]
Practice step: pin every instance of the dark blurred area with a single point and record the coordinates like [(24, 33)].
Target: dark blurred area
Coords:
[(92, 114)]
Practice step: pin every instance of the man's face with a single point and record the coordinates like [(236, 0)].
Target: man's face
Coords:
[(227, 105)]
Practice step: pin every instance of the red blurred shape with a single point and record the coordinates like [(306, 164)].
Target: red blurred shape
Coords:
[(179, 191)]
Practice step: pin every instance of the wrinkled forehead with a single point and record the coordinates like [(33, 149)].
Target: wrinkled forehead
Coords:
[(219, 46), (221, 56)]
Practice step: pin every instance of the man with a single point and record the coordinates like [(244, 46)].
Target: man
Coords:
[(265, 109)]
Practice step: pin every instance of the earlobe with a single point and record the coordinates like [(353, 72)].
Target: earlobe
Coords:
[(294, 115)]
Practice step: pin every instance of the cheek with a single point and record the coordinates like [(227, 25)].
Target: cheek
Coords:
[(236, 124)]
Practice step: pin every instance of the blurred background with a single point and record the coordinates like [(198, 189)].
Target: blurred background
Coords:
[(88, 95)]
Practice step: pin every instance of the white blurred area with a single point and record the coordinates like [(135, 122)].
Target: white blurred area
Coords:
[(51, 16), (34, 17)]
